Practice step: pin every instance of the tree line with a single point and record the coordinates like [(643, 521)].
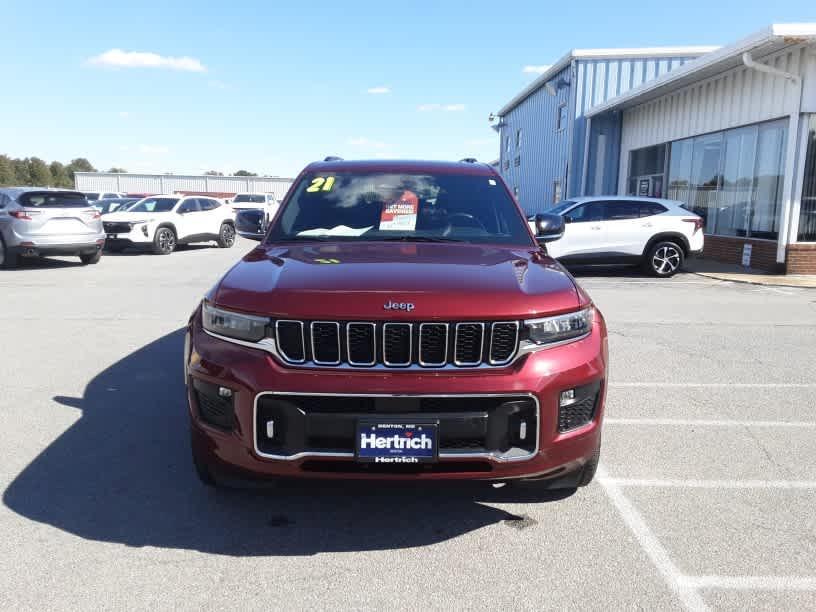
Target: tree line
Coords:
[(36, 172), (33, 171)]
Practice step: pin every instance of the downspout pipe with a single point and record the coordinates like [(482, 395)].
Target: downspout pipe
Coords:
[(788, 187), (749, 62)]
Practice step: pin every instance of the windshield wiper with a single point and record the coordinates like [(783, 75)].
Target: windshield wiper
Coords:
[(418, 239)]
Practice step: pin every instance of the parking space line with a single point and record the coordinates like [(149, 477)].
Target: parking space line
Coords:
[(687, 593), (713, 484), (709, 422), (751, 583), (692, 385)]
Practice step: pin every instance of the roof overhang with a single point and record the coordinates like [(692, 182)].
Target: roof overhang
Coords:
[(590, 54), (765, 42)]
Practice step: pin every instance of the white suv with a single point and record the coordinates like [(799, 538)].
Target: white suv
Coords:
[(654, 233), (163, 221), (263, 201)]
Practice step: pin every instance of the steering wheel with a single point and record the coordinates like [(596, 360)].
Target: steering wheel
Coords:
[(472, 222)]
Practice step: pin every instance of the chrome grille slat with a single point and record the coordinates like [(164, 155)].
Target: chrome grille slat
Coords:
[(397, 344), (468, 339), (394, 344), (357, 343), (327, 349), (429, 344)]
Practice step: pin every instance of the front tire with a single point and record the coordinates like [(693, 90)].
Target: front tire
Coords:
[(90, 258), (164, 242), (202, 471), (226, 235), (664, 259), (8, 259)]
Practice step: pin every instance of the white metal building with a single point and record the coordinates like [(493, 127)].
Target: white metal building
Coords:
[(218, 186), (733, 134)]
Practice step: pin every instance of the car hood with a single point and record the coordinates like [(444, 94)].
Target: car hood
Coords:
[(133, 216), (349, 281)]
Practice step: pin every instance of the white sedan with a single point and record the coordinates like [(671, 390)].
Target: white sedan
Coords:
[(657, 234)]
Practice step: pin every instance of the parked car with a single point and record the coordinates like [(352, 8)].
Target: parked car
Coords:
[(93, 196), (251, 223), (161, 222), (263, 201), (656, 234), (400, 321), (113, 204), (38, 222)]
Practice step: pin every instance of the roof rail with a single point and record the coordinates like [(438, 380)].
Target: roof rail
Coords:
[(469, 160), (332, 158)]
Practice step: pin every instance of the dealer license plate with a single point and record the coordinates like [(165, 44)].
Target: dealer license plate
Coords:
[(389, 442)]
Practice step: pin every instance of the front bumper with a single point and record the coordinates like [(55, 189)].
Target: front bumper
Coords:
[(257, 381)]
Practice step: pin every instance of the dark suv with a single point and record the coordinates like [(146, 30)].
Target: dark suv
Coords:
[(398, 320)]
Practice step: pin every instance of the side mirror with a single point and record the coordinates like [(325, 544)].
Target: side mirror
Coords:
[(250, 224), (567, 219), (548, 227)]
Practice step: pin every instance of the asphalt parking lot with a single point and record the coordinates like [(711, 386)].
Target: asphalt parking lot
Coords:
[(705, 497)]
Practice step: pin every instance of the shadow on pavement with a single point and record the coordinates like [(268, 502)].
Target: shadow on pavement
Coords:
[(122, 473)]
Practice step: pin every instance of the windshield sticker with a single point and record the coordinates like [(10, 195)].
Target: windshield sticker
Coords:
[(491, 182), (321, 183), (400, 214)]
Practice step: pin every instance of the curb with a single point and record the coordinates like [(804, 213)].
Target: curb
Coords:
[(748, 282)]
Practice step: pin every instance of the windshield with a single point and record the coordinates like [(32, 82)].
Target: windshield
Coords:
[(248, 197), (420, 207), (561, 207), (53, 199), (154, 205)]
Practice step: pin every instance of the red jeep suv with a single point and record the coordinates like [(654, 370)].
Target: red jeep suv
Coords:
[(398, 320)]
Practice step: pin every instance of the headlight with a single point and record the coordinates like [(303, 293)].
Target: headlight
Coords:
[(233, 324), (559, 328)]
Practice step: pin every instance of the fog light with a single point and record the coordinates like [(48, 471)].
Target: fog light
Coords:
[(270, 429), (567, 397), (224, 392)]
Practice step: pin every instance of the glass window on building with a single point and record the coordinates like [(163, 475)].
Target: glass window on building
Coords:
[(807, 210), (561, 118), (646, 170), (732, 179)]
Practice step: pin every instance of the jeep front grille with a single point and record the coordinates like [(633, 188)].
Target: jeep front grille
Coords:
[(364, 344)]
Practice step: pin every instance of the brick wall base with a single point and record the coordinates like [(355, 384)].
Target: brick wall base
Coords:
[(729, 250), (801, 259)]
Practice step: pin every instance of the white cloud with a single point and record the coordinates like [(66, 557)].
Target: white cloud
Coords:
[(367, 143), (117, 58), (540, 69), (153, 149), (124, 114), (450, 108), (379, 90)]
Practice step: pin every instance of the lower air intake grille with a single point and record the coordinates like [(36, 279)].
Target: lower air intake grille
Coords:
[(212, 408), (581, 410)]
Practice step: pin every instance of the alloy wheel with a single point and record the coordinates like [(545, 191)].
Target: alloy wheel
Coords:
[(227, 235), (167, 241), (666, 260)]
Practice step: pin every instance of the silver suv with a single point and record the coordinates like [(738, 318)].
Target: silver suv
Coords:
[(36, 222)]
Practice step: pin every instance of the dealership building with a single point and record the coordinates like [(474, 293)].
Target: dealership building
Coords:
[(543, 128), (732, 134), (151, 184)]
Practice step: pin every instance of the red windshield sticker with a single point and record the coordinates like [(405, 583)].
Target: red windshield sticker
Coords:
[(401, 214)]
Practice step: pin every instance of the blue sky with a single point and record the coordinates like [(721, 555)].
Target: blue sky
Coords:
[(269, 86)]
